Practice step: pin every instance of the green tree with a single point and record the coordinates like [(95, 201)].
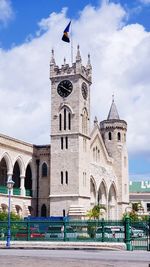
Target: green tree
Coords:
[(132, 215), (13, 216), (96, 212)]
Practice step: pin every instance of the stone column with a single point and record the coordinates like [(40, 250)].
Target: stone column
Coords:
[(22, 185)]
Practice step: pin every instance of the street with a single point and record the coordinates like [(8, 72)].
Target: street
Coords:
[(73, 258)]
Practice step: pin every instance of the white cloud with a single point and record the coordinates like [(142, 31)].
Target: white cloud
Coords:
[(145, 1), (120, 60), (6, 12)]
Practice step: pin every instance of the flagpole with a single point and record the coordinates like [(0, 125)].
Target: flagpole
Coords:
[(71, 46)]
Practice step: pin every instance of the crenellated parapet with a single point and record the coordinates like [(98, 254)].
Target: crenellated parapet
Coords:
[(76, 69)]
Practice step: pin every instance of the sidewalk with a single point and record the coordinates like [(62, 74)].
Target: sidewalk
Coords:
[(64, 245)]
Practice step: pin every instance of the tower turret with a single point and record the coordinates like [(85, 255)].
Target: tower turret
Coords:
[(114, 135)]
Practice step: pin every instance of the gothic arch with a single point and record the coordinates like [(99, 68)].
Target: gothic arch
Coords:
[(112, 202), (44, 169), (65, 117), (21, 165), (8, 162), (28, 177), (67, 107), (102, 193), (92, 191), (3, 172)]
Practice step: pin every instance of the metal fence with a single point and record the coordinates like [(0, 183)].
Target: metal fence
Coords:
[(135, 235)]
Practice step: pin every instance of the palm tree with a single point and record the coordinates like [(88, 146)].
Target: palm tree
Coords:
[(96, 211)]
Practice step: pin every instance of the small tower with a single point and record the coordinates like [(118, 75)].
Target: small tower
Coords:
[(114, 135)]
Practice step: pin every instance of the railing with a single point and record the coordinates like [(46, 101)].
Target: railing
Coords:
[(16, 191), (3, 189), (28, 193), (85, 231)]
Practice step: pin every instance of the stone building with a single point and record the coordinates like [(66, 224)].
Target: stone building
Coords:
[(140, 194), (81, 167)]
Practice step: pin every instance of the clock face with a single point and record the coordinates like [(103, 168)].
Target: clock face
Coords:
[(64, 88), (84, 90)]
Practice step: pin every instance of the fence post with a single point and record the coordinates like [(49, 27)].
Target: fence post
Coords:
[(103, 230), (28, 230), (149, 234), (127, 233), (64, 228)]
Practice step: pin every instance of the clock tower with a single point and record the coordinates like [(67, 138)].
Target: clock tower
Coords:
[(70, 136)]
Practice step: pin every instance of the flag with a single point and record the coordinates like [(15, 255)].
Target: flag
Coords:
[(65, 37)]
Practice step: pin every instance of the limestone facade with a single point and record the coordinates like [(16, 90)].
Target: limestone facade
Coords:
[(81, 167)]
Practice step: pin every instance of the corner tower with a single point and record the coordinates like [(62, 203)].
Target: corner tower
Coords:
[(70, 135), (114, 135)]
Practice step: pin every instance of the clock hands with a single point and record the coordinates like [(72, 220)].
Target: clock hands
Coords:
[(66, 89)]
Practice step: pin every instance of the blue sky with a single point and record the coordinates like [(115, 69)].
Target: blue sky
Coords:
[(27, 14), (117, 35)]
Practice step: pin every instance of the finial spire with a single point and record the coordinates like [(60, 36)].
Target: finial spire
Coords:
[(78, 56), (113, 113), (52, 62), (89, 63), (64, 61), (113, 97), (95, 121)]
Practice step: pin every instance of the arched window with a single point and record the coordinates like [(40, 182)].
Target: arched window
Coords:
[(3, 172), (60, 122), (69, 121), (109, 136), (62, 178), (64, 119), (62, 142), (43, 211), (66, 142), (119, 136), (66, 177), (44, 169)]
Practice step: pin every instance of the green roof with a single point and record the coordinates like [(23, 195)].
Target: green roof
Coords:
[(139, 187)]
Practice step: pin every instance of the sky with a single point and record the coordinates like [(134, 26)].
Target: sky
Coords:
[(116, 33)]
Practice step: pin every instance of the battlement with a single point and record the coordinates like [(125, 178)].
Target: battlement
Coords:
[(76, 68)]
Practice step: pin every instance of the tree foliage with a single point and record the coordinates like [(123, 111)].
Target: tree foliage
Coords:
[(13, 216), (96, 212)]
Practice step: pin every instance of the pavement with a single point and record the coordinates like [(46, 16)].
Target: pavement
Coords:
[(64, 245)]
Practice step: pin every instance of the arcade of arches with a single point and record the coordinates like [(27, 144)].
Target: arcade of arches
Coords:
[(104, 196)]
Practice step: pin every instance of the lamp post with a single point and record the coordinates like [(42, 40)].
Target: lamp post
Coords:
[(10, 184)]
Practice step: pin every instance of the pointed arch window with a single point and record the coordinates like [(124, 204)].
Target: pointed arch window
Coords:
[(69, 121), (66, 142), (119, 136), (64, 119), (62, 142), (43, 211), (109, 136), (60, 122), (62, 178), (66, 177), (44, 169)]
